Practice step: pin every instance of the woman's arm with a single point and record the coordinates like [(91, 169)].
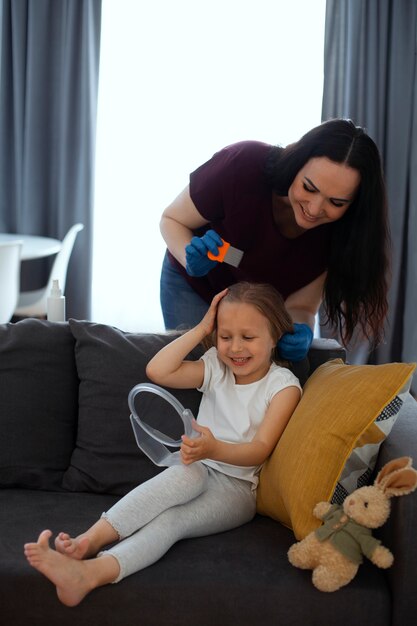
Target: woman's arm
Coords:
[(303, 304), (168, 366), (178, 221), (254, 452)]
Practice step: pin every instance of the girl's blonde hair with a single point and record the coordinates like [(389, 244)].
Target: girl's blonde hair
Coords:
[(269, 303)]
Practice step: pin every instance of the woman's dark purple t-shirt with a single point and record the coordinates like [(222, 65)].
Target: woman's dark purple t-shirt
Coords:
[(232, 192)]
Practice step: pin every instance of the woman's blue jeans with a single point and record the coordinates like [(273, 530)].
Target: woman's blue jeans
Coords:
[(182, 307)]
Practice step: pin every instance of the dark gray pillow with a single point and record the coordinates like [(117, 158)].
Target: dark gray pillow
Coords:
[(110, 362), (38, 403)]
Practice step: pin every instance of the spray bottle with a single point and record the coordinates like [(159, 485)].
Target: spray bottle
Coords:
[(55, 305)]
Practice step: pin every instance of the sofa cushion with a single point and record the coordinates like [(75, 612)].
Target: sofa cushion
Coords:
[(229, 579), (38, 403), (110, 362), (331, 443)]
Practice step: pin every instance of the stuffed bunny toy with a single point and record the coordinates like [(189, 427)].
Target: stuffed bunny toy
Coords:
[(334, 551)]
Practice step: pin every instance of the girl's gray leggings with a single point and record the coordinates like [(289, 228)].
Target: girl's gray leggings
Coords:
[(183, 501)]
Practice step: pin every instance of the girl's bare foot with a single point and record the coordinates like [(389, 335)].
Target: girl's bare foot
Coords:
[(75, 548), (65, 573), (73, 578), (89, 543)]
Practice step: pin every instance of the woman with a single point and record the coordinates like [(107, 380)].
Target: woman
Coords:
[(311, 219)]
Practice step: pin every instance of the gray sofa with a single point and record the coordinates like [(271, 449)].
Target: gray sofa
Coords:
[(67, 453)]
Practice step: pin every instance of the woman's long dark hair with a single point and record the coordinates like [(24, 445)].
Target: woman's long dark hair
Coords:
[(355, 291)]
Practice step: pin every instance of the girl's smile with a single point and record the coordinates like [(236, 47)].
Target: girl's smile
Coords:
[(244, 341), (240, 361)]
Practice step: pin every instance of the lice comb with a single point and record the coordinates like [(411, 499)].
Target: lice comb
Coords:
[(227, 254)]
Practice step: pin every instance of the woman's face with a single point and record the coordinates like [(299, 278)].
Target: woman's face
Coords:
[(322, 192)]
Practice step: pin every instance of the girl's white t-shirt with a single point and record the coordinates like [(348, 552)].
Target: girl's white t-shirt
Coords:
[(234, 412)]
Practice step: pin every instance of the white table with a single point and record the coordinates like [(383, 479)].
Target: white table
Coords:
[(34, 247)]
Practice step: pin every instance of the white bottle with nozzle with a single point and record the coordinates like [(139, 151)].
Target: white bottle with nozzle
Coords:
[(55, 306)]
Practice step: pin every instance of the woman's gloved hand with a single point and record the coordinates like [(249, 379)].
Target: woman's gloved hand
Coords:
[(294, 346), (197, 261)]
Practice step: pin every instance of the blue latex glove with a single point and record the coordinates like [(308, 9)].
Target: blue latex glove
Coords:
[(294, 346), (197, 261)]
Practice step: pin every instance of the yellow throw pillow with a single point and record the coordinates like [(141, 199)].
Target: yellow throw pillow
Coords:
[(340, 423)]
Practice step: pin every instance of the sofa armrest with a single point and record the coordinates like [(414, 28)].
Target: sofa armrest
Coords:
[(399, 532), (322, 350)]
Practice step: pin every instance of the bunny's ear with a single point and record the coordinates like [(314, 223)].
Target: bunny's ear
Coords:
[(397, 478), (390, 467), (401, 483)]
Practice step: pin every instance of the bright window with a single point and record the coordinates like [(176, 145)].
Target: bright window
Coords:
[(178, 81)]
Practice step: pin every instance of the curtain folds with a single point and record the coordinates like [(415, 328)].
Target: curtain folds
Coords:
[(49, 58), (370, 77)]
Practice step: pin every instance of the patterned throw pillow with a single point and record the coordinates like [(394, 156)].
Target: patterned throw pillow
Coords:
[(331, 442), (361, 463)]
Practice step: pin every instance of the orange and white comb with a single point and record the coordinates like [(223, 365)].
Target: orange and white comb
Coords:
[(227, 254)]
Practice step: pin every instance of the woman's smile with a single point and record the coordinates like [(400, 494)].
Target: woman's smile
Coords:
[(309, 217)]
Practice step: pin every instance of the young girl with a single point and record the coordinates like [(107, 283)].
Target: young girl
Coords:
[(246, 404)]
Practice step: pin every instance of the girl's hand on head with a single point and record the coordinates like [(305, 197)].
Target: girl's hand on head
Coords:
[(208, 323), (200, 448)]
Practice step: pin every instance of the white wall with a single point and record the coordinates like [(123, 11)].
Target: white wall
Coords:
[(178, 81)]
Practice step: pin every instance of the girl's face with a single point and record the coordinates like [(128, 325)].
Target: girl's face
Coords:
[(244, 341), (322, 192)]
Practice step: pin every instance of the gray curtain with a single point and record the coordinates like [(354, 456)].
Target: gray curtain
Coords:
[(370, 77), (49, 57)]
